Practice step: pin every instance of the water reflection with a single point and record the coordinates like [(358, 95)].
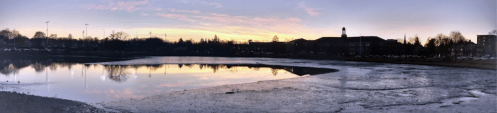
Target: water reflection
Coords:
[(96, 82), (117, 73)]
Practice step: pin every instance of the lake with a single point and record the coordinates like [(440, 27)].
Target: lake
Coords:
[(111, 81)]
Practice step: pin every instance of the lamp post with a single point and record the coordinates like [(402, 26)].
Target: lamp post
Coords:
[(86, 30), (86, 33), (47, 26), (103, 38), (46, 38), (104, 33)]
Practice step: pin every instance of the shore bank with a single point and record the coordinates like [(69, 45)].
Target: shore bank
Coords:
[(479, 64), (90, 57), (12, 102)]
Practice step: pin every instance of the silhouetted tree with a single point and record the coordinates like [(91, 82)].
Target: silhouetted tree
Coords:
[(493, 32), (119, 36), (39, 34), (216, 39), (457, 37), (180, 41), (275, 38)]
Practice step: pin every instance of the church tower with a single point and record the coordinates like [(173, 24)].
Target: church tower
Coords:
[(344, 35)]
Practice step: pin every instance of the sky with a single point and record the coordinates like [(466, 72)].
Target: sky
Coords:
[(242, 20)]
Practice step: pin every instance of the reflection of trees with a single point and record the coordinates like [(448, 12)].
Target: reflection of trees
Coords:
[(38, 67), (117, 73), (53, 67), (274, 71), (188, 65), (6, 70)]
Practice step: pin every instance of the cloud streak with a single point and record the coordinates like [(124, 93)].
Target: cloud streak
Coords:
[(129, 6), (175, 16), (183, 11), (215, 4), (310, 11)]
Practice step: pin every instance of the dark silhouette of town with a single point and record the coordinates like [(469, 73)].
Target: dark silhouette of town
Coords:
[(440, 48)]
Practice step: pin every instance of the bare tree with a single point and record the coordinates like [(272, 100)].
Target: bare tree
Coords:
[(120, 36), (457, 37), (53, 36), (216, 39), (493, 32), (39, 34), (275, 38)]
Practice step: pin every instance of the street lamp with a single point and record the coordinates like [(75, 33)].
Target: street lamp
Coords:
[(103, 38), (87, 30), (46, 38), (104, 33), (47, 27)]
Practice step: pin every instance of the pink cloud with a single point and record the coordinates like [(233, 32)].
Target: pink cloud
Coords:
[(184, 11), (176, 16), (215, 4), (129, 6), (309, 11), (247, 21)]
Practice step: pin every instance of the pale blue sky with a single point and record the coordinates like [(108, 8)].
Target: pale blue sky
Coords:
[(251, 19)]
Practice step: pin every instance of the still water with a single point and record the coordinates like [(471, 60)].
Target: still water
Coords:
[(95, 83)]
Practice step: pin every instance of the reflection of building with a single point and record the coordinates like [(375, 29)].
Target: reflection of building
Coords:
[(486, 45)]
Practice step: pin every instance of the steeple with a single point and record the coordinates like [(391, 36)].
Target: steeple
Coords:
[(404, 38), (344, 35)]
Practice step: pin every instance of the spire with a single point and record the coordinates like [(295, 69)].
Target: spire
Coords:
[(404, 38), (344, 35)]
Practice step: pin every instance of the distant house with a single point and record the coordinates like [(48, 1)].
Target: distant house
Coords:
[(486, 45), (464, 49)]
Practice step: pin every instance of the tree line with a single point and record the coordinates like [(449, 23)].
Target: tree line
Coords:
[(440, 45)]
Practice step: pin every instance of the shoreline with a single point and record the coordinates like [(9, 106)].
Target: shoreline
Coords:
[(100, 57), (13, 102)]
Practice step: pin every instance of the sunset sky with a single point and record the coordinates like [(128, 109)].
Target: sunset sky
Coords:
[(258, 20)]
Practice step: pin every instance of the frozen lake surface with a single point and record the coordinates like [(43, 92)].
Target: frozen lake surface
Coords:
[(355, 87)]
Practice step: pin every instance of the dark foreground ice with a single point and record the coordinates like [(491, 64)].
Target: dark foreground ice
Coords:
[(356, 87)]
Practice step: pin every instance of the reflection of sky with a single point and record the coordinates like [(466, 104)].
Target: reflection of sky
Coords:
[(94, 84)]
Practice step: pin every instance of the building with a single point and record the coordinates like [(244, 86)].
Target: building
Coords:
[(486, 45), (344, 46), (352, 46)]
